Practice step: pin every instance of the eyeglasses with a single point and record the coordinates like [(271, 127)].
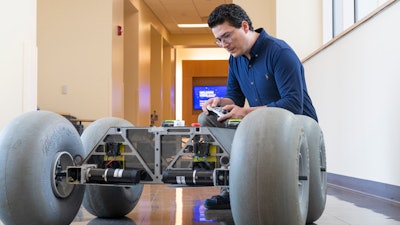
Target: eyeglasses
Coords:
[(225, 38)]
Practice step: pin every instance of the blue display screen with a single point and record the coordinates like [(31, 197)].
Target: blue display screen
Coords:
[(202, 93)]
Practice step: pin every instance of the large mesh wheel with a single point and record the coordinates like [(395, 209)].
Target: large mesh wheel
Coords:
[(269, 169), (35, 149), (108, 201)]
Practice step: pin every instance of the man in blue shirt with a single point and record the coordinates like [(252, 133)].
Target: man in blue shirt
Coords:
[(262, 69)]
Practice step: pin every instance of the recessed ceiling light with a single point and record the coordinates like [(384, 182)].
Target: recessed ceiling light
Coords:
[(188, 25)]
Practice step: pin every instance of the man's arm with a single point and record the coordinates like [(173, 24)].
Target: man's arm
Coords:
[(289, 79)]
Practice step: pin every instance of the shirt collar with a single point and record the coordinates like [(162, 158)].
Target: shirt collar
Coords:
[(258, 45)]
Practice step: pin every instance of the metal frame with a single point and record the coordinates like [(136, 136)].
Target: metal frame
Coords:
[(156, 155)]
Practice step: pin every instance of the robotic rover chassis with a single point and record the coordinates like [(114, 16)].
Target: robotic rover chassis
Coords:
[(274, 164)]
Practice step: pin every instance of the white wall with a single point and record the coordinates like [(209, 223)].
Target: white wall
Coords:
[(299, 23), (76, 52), (354, 84), (18, 58), (264, 16), (117, 46), (366, 7)]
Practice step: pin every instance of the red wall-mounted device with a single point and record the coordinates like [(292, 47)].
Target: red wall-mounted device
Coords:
[(119, 30)]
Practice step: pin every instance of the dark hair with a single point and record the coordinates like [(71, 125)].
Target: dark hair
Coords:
[(231, 13)]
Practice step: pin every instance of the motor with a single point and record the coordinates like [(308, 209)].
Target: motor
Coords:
[(113, 176), (189, 177)]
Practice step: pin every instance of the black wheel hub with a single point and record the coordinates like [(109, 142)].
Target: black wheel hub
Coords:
[(59, 181)]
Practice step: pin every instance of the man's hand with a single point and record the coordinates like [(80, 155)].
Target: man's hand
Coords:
[(214, 102), (236, 112)]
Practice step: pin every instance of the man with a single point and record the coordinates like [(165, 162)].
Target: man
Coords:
[(262, 69)]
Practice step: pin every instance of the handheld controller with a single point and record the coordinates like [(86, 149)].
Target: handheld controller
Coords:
[(217, 111)]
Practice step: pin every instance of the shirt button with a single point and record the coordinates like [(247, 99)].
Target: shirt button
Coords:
[(250, 66), (252, 83), (256, 55)]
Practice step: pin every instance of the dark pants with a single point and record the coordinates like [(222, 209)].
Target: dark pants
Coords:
[(211, 121)]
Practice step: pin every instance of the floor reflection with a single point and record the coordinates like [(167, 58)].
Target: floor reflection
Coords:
[(166, 205), (121, 221)]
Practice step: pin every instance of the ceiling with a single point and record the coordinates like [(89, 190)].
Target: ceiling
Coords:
[(174, 12)]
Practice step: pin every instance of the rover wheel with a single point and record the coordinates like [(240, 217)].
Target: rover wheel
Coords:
[(269, 169), (35, 148), (107, 201), (318, 178)]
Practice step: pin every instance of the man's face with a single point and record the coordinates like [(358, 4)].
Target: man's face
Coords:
[(230, 38)]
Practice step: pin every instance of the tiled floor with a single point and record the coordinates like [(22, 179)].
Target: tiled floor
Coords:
[(161, 204)]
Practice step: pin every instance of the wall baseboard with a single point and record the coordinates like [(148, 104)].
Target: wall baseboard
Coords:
[(373, 188)]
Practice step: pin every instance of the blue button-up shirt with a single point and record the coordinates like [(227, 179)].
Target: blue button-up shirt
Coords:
[(274, 76)]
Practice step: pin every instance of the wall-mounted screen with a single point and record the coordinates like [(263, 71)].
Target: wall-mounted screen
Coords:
[(202, 93)]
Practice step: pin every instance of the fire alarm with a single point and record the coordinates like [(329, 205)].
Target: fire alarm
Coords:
[(119, 30)]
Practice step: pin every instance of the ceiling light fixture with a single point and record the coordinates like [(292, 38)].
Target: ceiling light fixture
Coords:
[(197, 25)]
